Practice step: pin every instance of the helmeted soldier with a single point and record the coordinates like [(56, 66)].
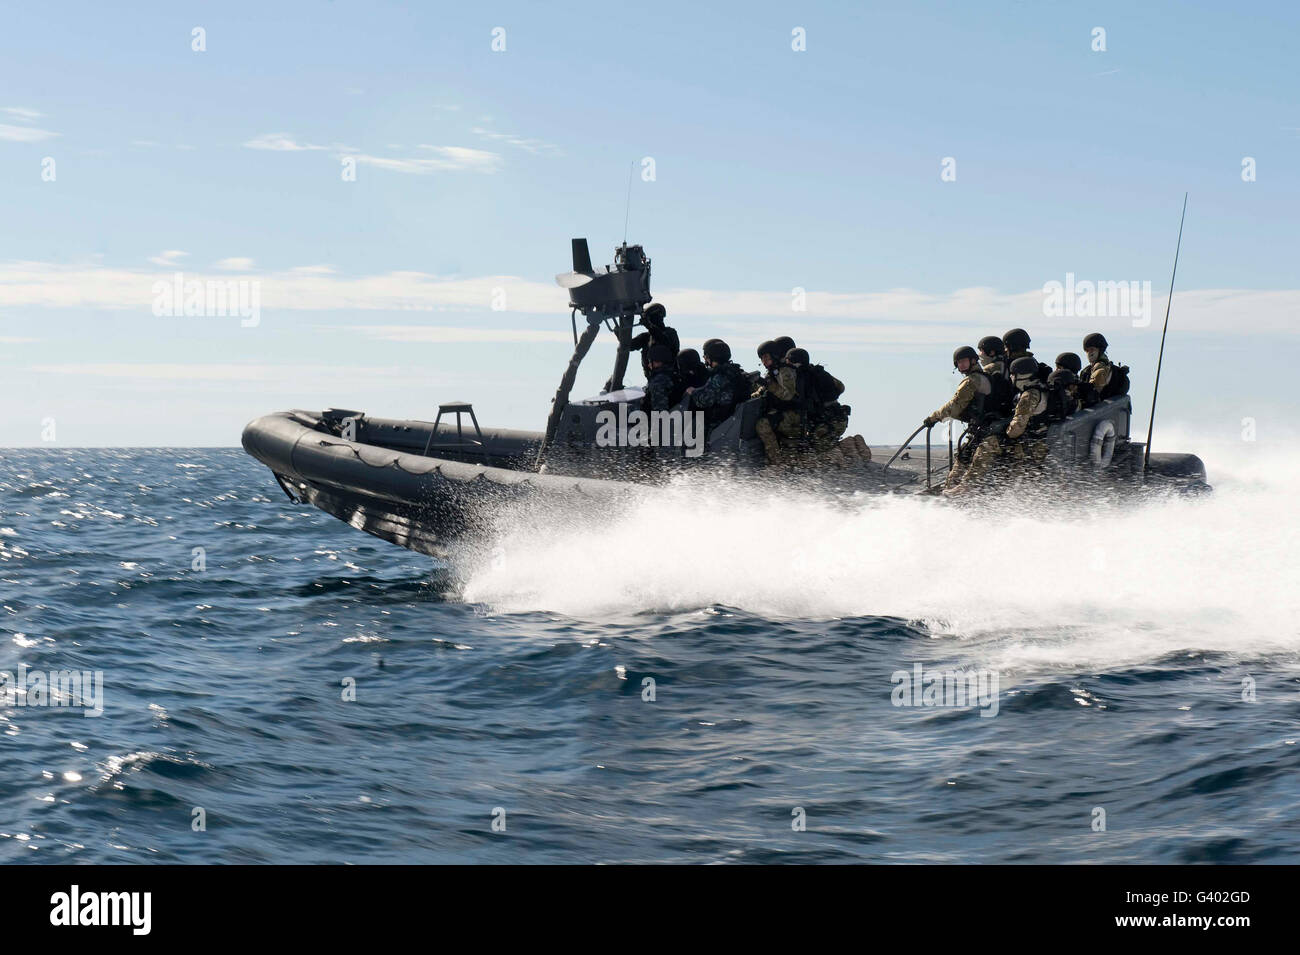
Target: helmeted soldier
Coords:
[(656, 333), (1069, 360), (1023, 440), (969, 404), (664, 387), (1029, 420), (1062, 393), (728, 385), (780, 425), (1017, 344), (691, 368), (822, 418), (1101, 379), (993, 359), (1066, 378)]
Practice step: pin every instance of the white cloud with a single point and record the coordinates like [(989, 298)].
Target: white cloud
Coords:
[(22, 113), (169, 258), (519, 142), (235, 265), (459, 335), (444, 159), (280, 142), (902, 316), (24, 134), (435, 158), (199, 371)]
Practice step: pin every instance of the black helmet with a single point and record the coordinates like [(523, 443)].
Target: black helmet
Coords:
[(715, 349), (964, 352), (1016, 340), (769, 348), (1062, 376), (688, 358), (1068, 359), (1024, 367), (660, 353), (654, 315), (992, 345), (1095, 340), (783, 344), (796, 356)]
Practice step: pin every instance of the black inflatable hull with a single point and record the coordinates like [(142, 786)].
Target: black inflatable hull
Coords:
[(427, 488), (403, 496)]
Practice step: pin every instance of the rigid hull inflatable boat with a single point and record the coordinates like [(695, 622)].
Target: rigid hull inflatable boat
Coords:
[(427, 485)]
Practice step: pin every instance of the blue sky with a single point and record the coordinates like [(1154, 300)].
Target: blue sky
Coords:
[(774, 169)]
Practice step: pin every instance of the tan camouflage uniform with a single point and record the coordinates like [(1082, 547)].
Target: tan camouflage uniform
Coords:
[(971, 384), (1032, 401), (1098, 373), (783, 384)]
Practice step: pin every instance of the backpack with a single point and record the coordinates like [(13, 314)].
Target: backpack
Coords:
[(1118, 384), (824, 384)]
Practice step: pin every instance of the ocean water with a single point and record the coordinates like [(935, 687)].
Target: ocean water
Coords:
[(709, 676)]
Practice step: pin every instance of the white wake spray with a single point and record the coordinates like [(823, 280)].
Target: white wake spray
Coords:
[(1095, 585)]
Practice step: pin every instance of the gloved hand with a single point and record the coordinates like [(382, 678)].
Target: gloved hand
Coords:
[(930, 421)]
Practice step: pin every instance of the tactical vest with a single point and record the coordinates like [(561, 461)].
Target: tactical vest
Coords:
[(975, 412), (738, 382), (1003, 396), (1038, 420)]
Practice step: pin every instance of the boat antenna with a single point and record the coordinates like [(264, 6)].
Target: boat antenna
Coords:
[(1146, 457), (628, 210)]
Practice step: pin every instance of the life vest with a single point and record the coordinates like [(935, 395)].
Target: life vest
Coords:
[(1118, 384)]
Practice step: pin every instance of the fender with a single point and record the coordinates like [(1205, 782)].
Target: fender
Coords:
[(1103, 444)]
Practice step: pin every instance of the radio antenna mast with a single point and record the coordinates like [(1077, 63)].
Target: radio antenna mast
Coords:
[(1146, 457), (628, 210)]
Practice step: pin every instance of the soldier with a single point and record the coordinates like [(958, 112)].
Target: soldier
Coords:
[(657, 333), (780, 389), (1068, 366), (1063, 393), (993, 359), (1017, 345), (823, 418), (1097, 376), (665, 388), (969, 404), (772, 353), (728, 385), (1023, 441), (691, 369)]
